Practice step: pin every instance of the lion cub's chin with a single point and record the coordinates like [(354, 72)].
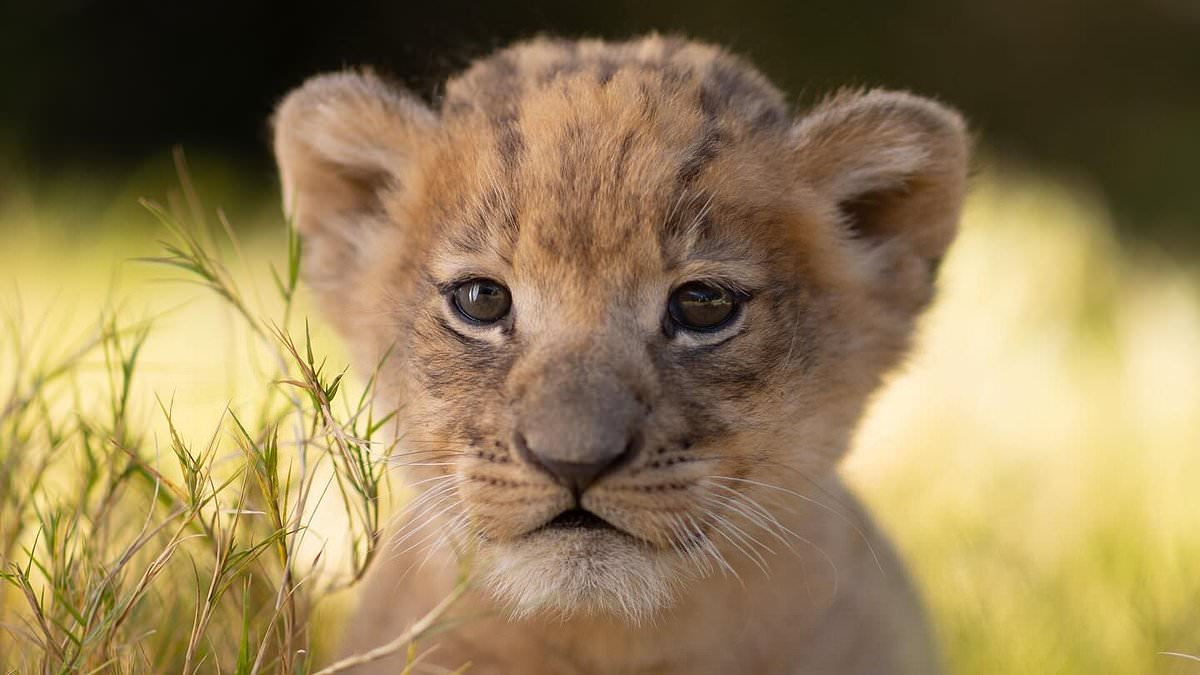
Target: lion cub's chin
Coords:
[(565, 572)]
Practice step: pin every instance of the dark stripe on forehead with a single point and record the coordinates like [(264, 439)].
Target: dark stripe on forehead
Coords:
[(684, 208), (510, 145), (605, 69), (622, 159), (494, 225), (700, 155), (705, 148), (688, 205), (469, 240), (495, 91), (505, 86), (503, 196), (501, 218)]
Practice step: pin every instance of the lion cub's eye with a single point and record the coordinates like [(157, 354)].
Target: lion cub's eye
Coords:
[(701, 306), (482, 300)]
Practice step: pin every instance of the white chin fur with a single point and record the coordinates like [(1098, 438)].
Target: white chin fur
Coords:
[(580, 571)]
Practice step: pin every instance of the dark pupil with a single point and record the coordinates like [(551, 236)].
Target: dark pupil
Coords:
[(697, 305), (481, 300)]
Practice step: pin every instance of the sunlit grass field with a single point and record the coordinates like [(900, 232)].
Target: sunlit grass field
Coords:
[(1037, 461)]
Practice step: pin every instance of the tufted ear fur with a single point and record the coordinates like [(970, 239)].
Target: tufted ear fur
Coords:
[(341, 141), (894, 166)]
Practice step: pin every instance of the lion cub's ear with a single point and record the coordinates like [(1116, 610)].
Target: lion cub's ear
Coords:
[(341, 141), (894, 166)]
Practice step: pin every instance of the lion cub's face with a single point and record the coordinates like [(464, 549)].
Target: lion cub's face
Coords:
[(631, 300)]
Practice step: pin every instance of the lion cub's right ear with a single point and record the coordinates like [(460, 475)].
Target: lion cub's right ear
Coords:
[(894, 165), (341, 141)]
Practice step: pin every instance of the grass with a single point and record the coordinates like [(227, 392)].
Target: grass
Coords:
[(187, 484), (131, 546), (1038, 462)]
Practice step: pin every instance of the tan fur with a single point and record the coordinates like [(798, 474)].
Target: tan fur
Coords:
[(592, 178)]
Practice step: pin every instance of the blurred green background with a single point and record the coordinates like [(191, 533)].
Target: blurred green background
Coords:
[(1038, 460)]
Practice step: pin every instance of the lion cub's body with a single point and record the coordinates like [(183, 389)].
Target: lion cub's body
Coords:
[(586, 184)]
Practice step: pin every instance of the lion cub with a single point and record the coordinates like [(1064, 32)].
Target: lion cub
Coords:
[(635, 307)]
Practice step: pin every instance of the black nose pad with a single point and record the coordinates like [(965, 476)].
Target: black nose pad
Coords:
[(578, 476)]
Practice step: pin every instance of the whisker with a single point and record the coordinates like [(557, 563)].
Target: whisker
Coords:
[(739, 510), (716, 554), (397, 551), (841, 516), (756, 513), (422, 505), (450, 528), (400, 458), (406, 464), (681, 543), (740, 543), (820, 551), (746, 511), (429, 453), (431, 535), (445, 476), (848, 510)]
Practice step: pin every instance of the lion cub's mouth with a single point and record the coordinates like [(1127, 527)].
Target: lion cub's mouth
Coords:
[(578, 519)]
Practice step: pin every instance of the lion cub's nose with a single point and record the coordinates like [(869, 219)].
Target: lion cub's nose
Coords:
[(577, 475), (579, 427)]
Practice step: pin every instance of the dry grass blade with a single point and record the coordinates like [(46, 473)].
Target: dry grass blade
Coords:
[(84, 454), (401, 641)]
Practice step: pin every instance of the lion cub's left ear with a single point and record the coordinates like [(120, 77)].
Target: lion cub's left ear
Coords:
[(894, 166), (342, 140)]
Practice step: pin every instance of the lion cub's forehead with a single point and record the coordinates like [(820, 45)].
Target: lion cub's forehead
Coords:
[(588, 160)]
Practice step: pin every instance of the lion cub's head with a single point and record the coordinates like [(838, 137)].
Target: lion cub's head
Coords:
[(628, 295)]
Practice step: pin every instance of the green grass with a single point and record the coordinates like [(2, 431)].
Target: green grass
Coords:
[(1039, 461), (188, 483), (130, 542)]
